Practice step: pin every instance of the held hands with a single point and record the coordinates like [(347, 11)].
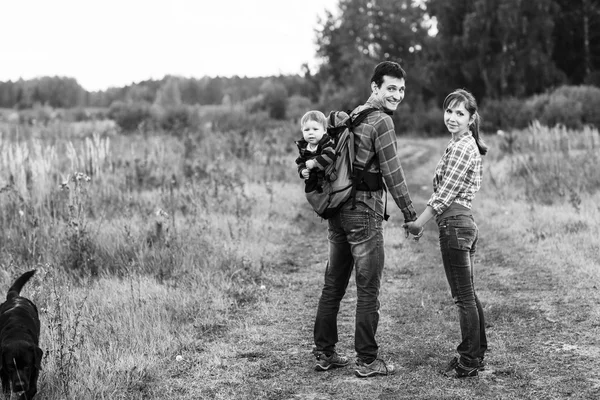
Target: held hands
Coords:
[(310, 164), (413, 229), (305, 173)]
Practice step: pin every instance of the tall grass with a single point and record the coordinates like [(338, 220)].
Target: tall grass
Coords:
[(553, 165), (141, 242), (150, 248)]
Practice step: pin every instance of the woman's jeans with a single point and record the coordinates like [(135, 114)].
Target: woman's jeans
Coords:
[(458, 241), (355, 240)]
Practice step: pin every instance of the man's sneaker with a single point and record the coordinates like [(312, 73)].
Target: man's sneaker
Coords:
[(325, 362), (455, 369), (377, 367)]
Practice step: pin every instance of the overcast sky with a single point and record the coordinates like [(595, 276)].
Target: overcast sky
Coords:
[(117, 42)]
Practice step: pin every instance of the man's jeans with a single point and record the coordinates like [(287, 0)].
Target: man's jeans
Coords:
[(355, 240), (458, 242)]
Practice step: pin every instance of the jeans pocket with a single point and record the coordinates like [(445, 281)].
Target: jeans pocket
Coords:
[(360, 224), (463, 238)]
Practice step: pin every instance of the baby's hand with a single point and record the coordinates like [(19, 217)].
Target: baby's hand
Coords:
[(305, 173)]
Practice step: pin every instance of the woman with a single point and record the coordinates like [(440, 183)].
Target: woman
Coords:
[(456, 180)]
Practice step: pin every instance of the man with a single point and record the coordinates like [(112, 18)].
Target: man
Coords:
[(356, 234)]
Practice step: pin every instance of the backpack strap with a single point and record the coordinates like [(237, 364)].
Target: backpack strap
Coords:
[(352, 123)]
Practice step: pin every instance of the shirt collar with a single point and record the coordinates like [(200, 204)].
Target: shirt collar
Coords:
[(377, 103)]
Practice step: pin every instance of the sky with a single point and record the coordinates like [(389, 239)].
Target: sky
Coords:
[(114, 43)]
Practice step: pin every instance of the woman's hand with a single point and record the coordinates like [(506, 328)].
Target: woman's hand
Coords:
[(414, 229), (310, 164)]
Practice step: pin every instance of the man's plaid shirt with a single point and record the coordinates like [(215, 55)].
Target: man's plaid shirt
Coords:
[(376, 137), (458, 175)]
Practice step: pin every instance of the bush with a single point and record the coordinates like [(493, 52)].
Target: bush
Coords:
[(505, 114), (175, 118), (297, 106), (275, 98), (562, 110), (586, 101), (129, 116)]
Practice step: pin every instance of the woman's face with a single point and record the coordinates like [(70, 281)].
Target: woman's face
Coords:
[(457, 118)]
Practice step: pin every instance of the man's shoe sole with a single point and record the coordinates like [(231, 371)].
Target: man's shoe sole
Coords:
[(319, 367), (372, 373)]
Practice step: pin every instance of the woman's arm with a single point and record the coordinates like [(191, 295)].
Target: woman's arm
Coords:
[(416, 227)]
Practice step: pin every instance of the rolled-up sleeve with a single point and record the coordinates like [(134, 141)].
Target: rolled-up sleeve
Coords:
[(391, 169)]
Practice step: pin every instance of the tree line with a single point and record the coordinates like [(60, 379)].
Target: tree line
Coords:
[(496, 48)]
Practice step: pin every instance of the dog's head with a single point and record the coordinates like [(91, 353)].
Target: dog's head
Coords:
[(18, 362)]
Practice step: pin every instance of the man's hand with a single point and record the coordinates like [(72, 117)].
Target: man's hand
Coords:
[(413, 229), (305, 173)]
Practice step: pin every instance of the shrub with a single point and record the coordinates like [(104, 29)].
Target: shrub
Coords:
[(275, 98), (562, 110), (504, 114), (176, 118), (297, 106), (129, 116), (586, 99)]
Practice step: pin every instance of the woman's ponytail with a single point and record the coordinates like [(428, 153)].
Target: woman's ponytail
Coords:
[(474, 128)]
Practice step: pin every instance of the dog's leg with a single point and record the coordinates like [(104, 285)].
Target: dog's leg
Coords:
[(5, 384)]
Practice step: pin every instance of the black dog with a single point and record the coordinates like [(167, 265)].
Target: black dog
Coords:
[(20, 355)]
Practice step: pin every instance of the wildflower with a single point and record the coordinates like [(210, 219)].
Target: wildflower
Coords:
[(79, 176), (161, 213)]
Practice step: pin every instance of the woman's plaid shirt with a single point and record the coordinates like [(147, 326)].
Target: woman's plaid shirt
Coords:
[(458, 175), (376, 137)]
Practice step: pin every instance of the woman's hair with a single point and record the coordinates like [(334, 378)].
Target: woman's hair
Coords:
[(466, 98), (316, 116)]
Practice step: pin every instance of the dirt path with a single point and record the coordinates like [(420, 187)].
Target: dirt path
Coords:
[(543, 335)]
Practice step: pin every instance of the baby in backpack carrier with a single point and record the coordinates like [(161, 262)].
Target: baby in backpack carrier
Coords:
[(316, 148)]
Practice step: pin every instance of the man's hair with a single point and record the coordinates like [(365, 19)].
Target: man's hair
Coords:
[(388, 68), (316, 116)]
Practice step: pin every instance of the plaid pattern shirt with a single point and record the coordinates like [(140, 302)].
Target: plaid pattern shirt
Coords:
[(376, 137), (458, 175)]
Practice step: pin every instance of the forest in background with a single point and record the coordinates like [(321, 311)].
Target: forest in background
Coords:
[(523, 61)]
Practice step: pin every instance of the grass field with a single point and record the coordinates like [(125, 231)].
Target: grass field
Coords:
[(193, 270)]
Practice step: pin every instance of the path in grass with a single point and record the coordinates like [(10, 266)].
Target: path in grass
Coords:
[(543, 335)]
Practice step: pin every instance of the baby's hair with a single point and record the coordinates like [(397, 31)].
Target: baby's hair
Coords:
[(316, 116)]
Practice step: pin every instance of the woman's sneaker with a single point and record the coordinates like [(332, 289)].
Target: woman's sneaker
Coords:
[(455, 369), (325, 362), (377, 367)]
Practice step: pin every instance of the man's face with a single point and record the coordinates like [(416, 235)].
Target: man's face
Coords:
[(313, 131), (390, 93)]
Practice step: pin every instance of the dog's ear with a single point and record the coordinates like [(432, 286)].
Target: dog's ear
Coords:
[(38, 358)]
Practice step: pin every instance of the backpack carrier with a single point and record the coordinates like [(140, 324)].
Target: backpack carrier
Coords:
[(342, 178)]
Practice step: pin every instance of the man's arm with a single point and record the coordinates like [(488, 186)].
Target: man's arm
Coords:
[(391, 169)]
